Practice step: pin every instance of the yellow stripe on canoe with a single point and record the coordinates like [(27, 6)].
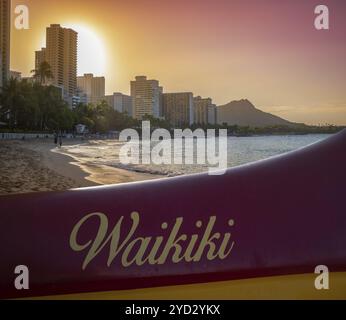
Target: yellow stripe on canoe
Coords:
[(300, 286)]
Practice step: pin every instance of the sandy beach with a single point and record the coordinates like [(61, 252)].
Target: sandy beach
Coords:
[(38, 165)]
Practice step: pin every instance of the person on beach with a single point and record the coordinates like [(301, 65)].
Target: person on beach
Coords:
[(60, 140), (55, 139)]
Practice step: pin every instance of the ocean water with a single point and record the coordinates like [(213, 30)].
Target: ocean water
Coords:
[(240, 150)]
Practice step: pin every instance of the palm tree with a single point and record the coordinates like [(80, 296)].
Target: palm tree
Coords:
[(43, 72)]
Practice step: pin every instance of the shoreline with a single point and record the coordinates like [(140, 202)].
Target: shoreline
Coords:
[(98, 174), (38, 166), (60, 163)]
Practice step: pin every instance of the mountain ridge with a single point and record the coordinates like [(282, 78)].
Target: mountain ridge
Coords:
[(244, 113)]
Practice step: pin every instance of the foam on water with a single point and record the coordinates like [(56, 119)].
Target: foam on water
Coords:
[(241, 150)]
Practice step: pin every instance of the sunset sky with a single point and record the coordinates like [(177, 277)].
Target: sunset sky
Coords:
[(267, 51)]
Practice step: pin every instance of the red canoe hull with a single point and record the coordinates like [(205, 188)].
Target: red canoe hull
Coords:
[(278, 217)]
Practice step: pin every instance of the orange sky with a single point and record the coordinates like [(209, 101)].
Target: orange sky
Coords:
[(266, 51)]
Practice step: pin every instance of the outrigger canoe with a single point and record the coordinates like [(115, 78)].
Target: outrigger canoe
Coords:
[(258, 231)]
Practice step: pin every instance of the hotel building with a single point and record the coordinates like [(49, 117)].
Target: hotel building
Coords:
[(204, 111), (146, 97), (61, 54), (212, 114), (92, 88), (120, 102), (40, 56), (177, 108), (5, 27)]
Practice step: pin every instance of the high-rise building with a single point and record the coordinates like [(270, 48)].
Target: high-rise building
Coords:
[(92, 87), (212, 114), (5, 27), (120, 102), (177, 108), (61, 54), (146, 97), (200, 106), (81, 97), (40, 56)]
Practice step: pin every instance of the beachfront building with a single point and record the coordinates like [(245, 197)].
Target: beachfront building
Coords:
[(200, 106), (120, 102), (5, 27), (81, 97), (212, 114), (40, 57), (177, 108), (61, 55), (204, 110), (91, 89), (146, 97)]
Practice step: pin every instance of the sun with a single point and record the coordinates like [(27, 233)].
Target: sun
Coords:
[(91, 50)]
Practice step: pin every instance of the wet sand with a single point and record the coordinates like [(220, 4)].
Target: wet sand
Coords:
[(37, 165)]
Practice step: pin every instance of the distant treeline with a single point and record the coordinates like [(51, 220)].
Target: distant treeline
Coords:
[(282, 130), (27, 106)]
